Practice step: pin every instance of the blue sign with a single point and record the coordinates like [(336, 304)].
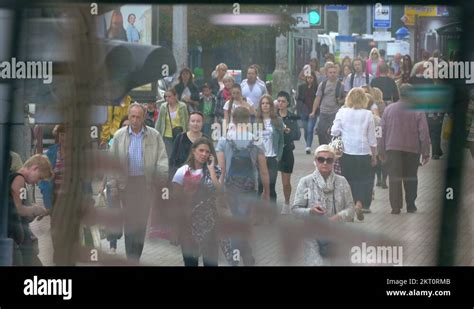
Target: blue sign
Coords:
[(382, 16), (336, 7)]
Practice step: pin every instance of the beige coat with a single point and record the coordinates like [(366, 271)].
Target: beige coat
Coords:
[(154, 156)]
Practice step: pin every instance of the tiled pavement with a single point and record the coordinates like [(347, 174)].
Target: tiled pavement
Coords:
[(417, 232)]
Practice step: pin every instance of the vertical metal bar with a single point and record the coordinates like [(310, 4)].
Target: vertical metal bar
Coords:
[(451, 207), (12, 17), (454, 171)]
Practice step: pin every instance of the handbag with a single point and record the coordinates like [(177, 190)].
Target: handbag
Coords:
[(176, 130), (337, 144)]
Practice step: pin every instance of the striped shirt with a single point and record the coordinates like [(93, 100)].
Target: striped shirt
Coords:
[(135, 153)]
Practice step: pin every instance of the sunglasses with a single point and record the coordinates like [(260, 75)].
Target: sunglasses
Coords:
[(325, 160)]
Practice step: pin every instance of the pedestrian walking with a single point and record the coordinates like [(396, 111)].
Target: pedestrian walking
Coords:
[(292, 133), (240, 155), (252, 87), (273, 141), (142, 150), (172, 119), (356, 126), (196, 185), (186, 90), (330, 97), (304, 104), (405, 136)]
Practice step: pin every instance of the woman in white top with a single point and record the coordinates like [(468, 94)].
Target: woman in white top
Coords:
[(271, 126), (355, 124), (237, 101), (196, 185)]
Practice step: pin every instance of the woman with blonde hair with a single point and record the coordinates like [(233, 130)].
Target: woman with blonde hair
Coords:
[(378, 105), (217, 83), (223, 96), (356, 126), (372, 65)]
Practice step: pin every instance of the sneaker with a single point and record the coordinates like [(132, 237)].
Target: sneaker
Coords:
[(286, 209), (113, 251), (308, 150), (412, 209), (395, 211), (366, 210)]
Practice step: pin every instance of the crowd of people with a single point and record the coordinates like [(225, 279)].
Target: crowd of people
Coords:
[(357, 109)]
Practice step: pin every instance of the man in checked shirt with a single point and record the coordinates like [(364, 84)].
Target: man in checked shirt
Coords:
[(142, 150)]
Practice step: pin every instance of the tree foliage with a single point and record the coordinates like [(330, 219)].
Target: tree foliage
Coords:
[(201, 32)]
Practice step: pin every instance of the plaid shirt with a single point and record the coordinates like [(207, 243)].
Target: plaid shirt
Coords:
[(135, 153)]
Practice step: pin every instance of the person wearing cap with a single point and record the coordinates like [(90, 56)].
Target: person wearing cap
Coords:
[(322, 194)]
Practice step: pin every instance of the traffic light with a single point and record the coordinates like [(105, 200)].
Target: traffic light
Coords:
[(127, 66), (117, 67), (316, 17)]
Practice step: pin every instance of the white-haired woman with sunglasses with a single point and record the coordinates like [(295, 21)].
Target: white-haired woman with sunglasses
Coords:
[(322, 194)]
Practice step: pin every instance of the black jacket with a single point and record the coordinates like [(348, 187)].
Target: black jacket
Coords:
[(291, 121), (192, 87)]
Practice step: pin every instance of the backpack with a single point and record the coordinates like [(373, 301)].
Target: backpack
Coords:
[(338, 92), (366, 80), (241, 174)]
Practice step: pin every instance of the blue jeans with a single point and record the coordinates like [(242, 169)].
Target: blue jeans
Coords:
[(169, 144), (309, 124), (241, 208)]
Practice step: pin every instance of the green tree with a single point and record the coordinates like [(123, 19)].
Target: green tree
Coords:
[(255, 43)]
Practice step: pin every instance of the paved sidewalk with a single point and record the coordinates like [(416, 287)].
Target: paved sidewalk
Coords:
[(417, 232)]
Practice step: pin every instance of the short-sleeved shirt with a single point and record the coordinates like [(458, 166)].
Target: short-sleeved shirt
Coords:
[(328, 105), (234, 106), (267, 136), (179, 175)]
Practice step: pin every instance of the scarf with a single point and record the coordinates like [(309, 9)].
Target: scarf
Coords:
[(325, 185)]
